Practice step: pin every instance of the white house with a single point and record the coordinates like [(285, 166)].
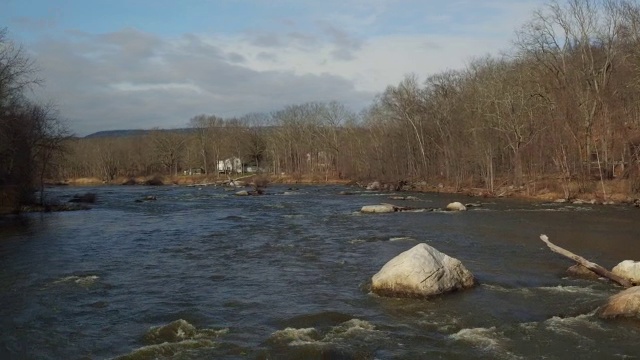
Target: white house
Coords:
[(230, 165)]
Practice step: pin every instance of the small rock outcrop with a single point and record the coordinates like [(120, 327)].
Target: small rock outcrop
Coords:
[(623, 304), (456, 206), (581, 272), (628, 269), (374, 186), (382, 208), (173, 332), (242, 193), (421, 271)]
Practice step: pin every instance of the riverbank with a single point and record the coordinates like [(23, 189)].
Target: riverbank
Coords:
[(545, 189)]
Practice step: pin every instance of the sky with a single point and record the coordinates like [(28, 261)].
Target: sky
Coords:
[(138, 64)]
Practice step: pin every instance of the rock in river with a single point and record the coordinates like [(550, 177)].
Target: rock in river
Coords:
[(375, 186), (456, 206), (581, 272), (628, 269), (382, 208), (174, 332), (420, 272), (623, 304)]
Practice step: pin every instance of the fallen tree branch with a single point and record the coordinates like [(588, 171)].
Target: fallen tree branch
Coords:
[(586, 263)]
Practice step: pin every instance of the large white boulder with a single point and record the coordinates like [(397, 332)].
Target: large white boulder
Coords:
[(420, 272), (382, 208), (628, 269), (456, 206), (623, 304)]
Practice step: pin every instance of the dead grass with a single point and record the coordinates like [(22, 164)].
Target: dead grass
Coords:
[(85, 181)]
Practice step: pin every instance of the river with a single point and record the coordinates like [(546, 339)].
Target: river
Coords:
[(286, 276)]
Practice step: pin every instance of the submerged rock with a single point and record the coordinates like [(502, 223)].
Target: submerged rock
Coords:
[(176, 331), (456, 206), (471, 205), (166, 350), (628, 269), (420, 272), (147, 198), (86, 198), (174, 339), (242, 193), (623, 304), (382, 208)]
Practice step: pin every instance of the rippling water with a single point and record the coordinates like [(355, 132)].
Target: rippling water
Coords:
[(286, 277)]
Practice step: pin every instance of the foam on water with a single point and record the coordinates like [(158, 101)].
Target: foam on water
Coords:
[(559, 289), (166, 350), (402, 238), (485, 339), (346, 331), (357, 241), (569, 324), (558, 209), (80, 280), (171, 339), (584, 290), (295, 337)]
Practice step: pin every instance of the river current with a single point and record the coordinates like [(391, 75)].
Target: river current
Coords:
[(286, 276)]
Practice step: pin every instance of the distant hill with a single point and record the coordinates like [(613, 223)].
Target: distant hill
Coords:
[(134, 132), (116, 133)]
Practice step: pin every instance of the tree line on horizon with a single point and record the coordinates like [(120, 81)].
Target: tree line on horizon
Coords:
[(561, 106)]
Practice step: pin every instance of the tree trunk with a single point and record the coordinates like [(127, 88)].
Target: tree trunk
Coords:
[(586, 263)]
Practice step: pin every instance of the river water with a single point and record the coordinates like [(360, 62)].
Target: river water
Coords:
[(286, 276)]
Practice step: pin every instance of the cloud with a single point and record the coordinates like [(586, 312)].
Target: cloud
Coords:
[(131, 79), (345, 50)]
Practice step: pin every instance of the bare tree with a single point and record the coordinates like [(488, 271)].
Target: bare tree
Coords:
[(169, 146)]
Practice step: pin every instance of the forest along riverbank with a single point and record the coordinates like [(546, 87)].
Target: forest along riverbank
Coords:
[(202, 273)]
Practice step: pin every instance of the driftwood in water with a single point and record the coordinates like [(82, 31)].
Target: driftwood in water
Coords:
[(586, 263)]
